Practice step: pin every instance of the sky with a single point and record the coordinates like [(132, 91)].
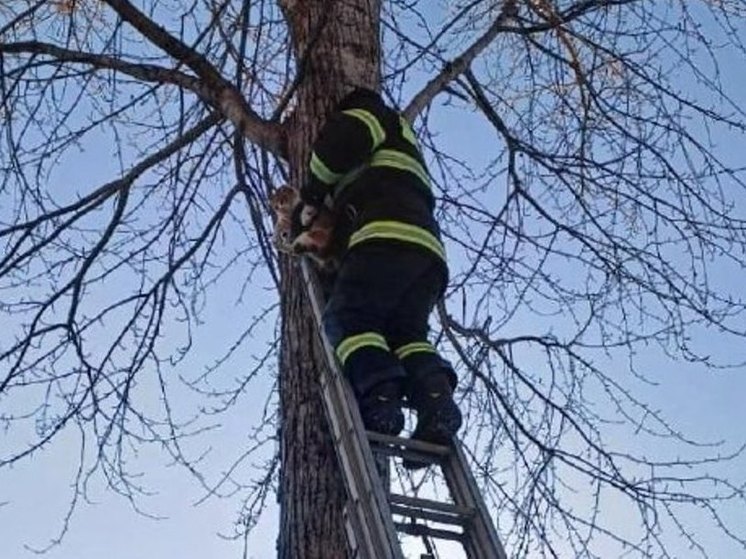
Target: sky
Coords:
[(37, 491), (35, 494)]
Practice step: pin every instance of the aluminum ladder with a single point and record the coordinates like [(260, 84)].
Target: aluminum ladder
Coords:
[(370, 525)]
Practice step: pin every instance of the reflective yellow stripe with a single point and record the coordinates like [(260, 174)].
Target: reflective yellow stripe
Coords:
[(400, 160), (415, 347), (398, 231), (322, 172), (407, 132), (350, 345), (376, 130)]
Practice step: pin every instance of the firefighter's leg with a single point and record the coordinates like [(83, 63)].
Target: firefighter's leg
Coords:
[(431, 379), (361, 300), (430, 386)]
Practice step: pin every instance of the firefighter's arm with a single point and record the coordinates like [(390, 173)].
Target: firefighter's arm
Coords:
[(345, 142)]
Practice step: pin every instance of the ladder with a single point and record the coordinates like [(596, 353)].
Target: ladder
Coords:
[(369, 514)]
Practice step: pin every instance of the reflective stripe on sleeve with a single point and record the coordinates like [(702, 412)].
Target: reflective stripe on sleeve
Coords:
[(322, 172), (399, 231), (407, 132), (350, 345), (377, 133)]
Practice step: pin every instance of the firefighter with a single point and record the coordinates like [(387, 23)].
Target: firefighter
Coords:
[(366, 163)]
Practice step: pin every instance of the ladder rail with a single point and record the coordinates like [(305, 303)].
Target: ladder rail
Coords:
[(369, 515), (465, 492), (351, 445)]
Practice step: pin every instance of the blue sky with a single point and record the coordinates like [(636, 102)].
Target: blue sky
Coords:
[(706, 405), (35, 494)]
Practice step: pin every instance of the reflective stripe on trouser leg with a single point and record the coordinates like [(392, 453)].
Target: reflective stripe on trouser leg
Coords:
[(351, 344), (367, 362), (421, 360), (406, 350)]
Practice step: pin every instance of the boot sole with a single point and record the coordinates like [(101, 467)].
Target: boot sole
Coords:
[(439, 430), (391, 427)]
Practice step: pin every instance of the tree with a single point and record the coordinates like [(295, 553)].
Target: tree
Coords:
[(603, 206)]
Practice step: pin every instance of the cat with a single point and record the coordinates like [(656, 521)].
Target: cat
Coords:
[(299, 230)]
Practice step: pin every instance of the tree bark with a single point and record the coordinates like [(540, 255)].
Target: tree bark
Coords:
[(336, 45)]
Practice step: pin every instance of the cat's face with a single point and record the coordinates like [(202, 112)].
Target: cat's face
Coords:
[(283, 199)]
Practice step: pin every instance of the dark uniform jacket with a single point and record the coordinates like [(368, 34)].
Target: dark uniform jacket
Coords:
[(367, 159)]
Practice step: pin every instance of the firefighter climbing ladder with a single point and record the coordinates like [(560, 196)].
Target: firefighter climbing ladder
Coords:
[(369, 515)]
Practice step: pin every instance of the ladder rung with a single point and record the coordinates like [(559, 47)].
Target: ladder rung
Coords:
[(397, 444), (446, 512), (421, 514), (418, 530), (411, 456)]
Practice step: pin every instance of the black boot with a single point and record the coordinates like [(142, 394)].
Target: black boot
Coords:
[(438, 416), (381, 409)]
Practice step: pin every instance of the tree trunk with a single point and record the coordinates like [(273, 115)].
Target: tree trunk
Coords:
[(343, 38)]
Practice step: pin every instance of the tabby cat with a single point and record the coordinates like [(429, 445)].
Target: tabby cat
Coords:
[(300, 231)]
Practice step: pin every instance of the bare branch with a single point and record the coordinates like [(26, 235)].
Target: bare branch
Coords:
[(458, 65), (224, 95)]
